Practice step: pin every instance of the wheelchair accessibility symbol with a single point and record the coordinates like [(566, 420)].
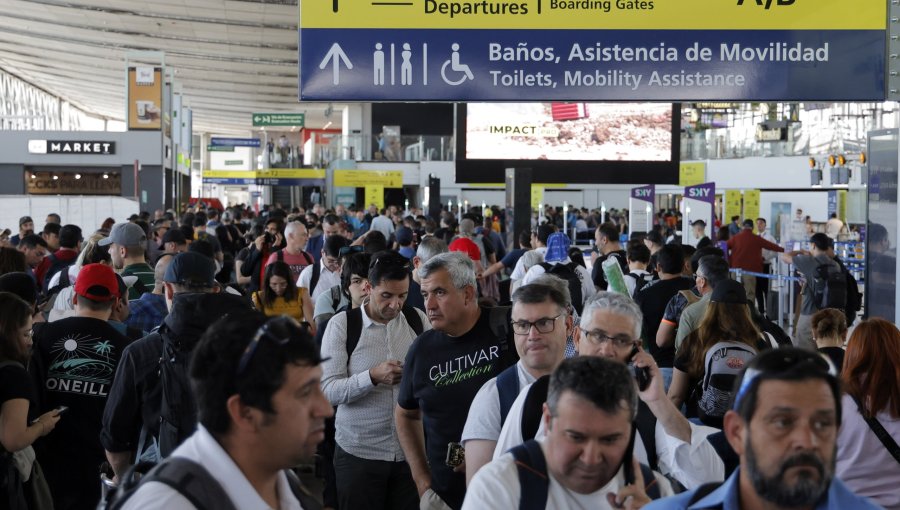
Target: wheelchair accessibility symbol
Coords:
[(456, 67)]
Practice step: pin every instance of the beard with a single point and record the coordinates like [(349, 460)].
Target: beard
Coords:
[(806, 491)]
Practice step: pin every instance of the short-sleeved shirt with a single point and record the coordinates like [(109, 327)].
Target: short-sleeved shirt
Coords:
[(441, 376), (297, 262), (16, 383), (484, 413), (327, 280), (806, 265), (144, 273), (676, 306), (690, 319), (653, 299), (512, 256), (597, 274)]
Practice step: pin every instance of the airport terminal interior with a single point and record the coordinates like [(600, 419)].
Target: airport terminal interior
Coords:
[(449, 254)]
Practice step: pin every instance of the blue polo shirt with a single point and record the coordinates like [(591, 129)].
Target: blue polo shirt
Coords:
[(727, 497)]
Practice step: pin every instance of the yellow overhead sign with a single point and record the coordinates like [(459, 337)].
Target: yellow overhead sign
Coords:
[(599, 14), (691, 174), (362, 178)]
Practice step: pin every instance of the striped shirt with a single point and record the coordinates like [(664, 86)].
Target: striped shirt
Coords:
[(144, 273), (364, 423)]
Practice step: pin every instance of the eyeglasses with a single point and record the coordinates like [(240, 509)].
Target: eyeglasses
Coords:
[(544, 325), (598, 337), (782, 363), (277, 329), (349, 250)]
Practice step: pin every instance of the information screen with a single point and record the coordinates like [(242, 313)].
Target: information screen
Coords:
[(569, 131)]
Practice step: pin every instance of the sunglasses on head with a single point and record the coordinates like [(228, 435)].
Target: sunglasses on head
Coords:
[(349, 250)]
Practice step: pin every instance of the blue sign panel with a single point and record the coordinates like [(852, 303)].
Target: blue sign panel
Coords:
[(234, 142), (591, 65)]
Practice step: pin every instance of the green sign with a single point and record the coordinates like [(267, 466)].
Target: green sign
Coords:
[(279, 119), (219, 148), (231, 162)]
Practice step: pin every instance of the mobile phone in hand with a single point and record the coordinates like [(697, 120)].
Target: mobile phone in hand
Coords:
[(642, 374)]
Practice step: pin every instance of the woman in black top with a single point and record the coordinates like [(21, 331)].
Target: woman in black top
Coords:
[(829, 328), (18, 426)]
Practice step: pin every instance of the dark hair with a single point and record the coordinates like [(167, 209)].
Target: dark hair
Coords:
[(524, 239), (821, 241), (70, 236), (331, 219), (702, 252), (577, 256), (721, 322), (388, 265), (544, 231), (609, 231), (714, 269), (605, 383), (735, 218), (55, 217), (830, 323), (332, 245), (213, 371), (655, 237), (355, 264), (14, 313), (688, 252), (277, 268), (51, 228), (536, 293), (783, 364), (188, 220), (12, 261), (203, 247), (637, 252), (670, 259), (876, 233), (375, 242), (188, 232), (748, 223), (21, 285), (870, 371), (95, 306), (32, 241), (723, 234)]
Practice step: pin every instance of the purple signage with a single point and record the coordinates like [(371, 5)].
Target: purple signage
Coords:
[(705, 192), (645, 193)]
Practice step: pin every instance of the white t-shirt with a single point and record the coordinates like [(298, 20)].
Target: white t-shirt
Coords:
[(327, 279), (692, 464), (497, 486), (587, 285), (631, 281), (483, 421), (519, 271)]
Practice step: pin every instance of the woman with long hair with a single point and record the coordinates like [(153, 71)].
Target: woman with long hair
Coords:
[(20, 426), (279, 295), (871, 379), (727, 319)]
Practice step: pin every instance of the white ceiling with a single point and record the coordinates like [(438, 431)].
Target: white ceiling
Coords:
[(232, 57)]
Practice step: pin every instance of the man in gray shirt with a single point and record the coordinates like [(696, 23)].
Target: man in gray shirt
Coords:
[(807, 262), (361, 380)]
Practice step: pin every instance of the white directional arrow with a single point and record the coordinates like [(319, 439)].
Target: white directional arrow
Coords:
[(336, 55)]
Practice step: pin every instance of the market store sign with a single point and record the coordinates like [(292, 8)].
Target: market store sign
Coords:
[(71, 147)]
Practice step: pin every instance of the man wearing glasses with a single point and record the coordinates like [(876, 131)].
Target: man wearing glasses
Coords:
[(783, 425), (261, 411), (711, 270), (362, 381), (610, 328), (540, 323)]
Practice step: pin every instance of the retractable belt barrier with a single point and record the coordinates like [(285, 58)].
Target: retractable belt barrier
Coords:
[(785, 310)]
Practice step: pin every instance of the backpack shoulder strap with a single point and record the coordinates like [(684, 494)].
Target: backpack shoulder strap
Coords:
[(335, 297), (316, 272), (354, 330), (533, 479), (507, 390), (278, 255), (192, 481), (532, 411), (499, 324), (547, 267), (303, 495), (645, 425), (650, 476), (413, 319), (703, 491), (64, 280), (309, 260)]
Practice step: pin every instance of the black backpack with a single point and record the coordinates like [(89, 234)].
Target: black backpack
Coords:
[(829, 287), (854, 297), (178, 411), (568, 273), (56, 266), (194, 482), (534, 482), (640, 280)]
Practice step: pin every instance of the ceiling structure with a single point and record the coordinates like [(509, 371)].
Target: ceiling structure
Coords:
[(231, 57)]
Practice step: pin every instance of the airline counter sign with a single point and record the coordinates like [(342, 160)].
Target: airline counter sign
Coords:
[(666, 50)]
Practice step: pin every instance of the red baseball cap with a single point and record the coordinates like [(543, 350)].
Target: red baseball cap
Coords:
[(97, 282), (468, 247)]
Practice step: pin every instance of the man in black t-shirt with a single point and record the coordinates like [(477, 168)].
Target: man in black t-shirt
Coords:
[(74, 362), (443, 371), (607, 238), (653, 299)]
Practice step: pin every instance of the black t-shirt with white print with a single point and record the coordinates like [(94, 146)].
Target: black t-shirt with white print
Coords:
[(441, 376)]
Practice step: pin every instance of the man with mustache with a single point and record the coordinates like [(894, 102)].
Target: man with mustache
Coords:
[(783, 425), (442, 373)]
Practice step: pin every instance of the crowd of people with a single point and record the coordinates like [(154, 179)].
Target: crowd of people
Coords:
[(381, 359)]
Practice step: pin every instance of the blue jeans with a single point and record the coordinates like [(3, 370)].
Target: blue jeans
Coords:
[(667, 376)]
